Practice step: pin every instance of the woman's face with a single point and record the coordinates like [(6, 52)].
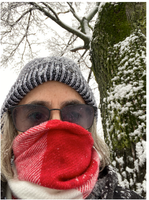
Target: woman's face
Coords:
[(52, 94)]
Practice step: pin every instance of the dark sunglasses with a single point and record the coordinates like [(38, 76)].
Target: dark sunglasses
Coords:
[(30, 115)]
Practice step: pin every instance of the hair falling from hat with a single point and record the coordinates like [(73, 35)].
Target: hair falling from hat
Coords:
[(35, 73)]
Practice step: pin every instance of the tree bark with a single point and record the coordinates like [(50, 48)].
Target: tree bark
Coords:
[(118, 52)]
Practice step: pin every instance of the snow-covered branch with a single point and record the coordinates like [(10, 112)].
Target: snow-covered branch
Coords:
[(81, 35), (92, 13), (73, 12), (20, 37), (85, 26), (77, 48), (51, 10)]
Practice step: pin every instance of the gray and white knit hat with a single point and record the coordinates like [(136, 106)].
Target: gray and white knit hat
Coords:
[(41, 70)]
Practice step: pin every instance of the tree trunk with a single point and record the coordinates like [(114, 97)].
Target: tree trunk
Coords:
[(118, 61)]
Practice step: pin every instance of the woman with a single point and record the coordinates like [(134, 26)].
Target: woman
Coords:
[(50, 146)]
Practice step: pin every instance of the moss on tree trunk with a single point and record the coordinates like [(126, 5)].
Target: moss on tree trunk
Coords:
[(118, 56)]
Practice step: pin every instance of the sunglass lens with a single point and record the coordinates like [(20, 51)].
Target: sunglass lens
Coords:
[(80, 114), (27, 116)]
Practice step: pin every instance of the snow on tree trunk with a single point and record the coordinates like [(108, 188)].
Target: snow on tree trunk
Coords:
[(118, 52)]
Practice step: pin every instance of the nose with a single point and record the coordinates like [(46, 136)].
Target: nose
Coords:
[(55, 114)]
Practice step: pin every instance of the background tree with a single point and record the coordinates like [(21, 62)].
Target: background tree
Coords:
[(118, 55), (116, 42), (26, 26)]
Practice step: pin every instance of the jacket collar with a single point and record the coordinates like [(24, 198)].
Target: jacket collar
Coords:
[(105, 185)]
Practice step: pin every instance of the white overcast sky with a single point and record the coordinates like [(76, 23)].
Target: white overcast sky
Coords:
[(7, 78)]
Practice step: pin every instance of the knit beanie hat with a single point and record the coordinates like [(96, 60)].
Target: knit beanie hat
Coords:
[(41, 70)]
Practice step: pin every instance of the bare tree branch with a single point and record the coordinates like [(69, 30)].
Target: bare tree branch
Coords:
[(77, 48), (24, 36), (81, 35), (18, 17), (92, 13), (73, 12), (21, 17), (67, 11), (29, 46), (24, 50), (85, 20), (69, 43), (81, 56), (85, 26), (89, 76), (51, 10)]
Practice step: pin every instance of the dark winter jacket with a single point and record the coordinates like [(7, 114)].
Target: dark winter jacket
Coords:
[(106, 187)]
